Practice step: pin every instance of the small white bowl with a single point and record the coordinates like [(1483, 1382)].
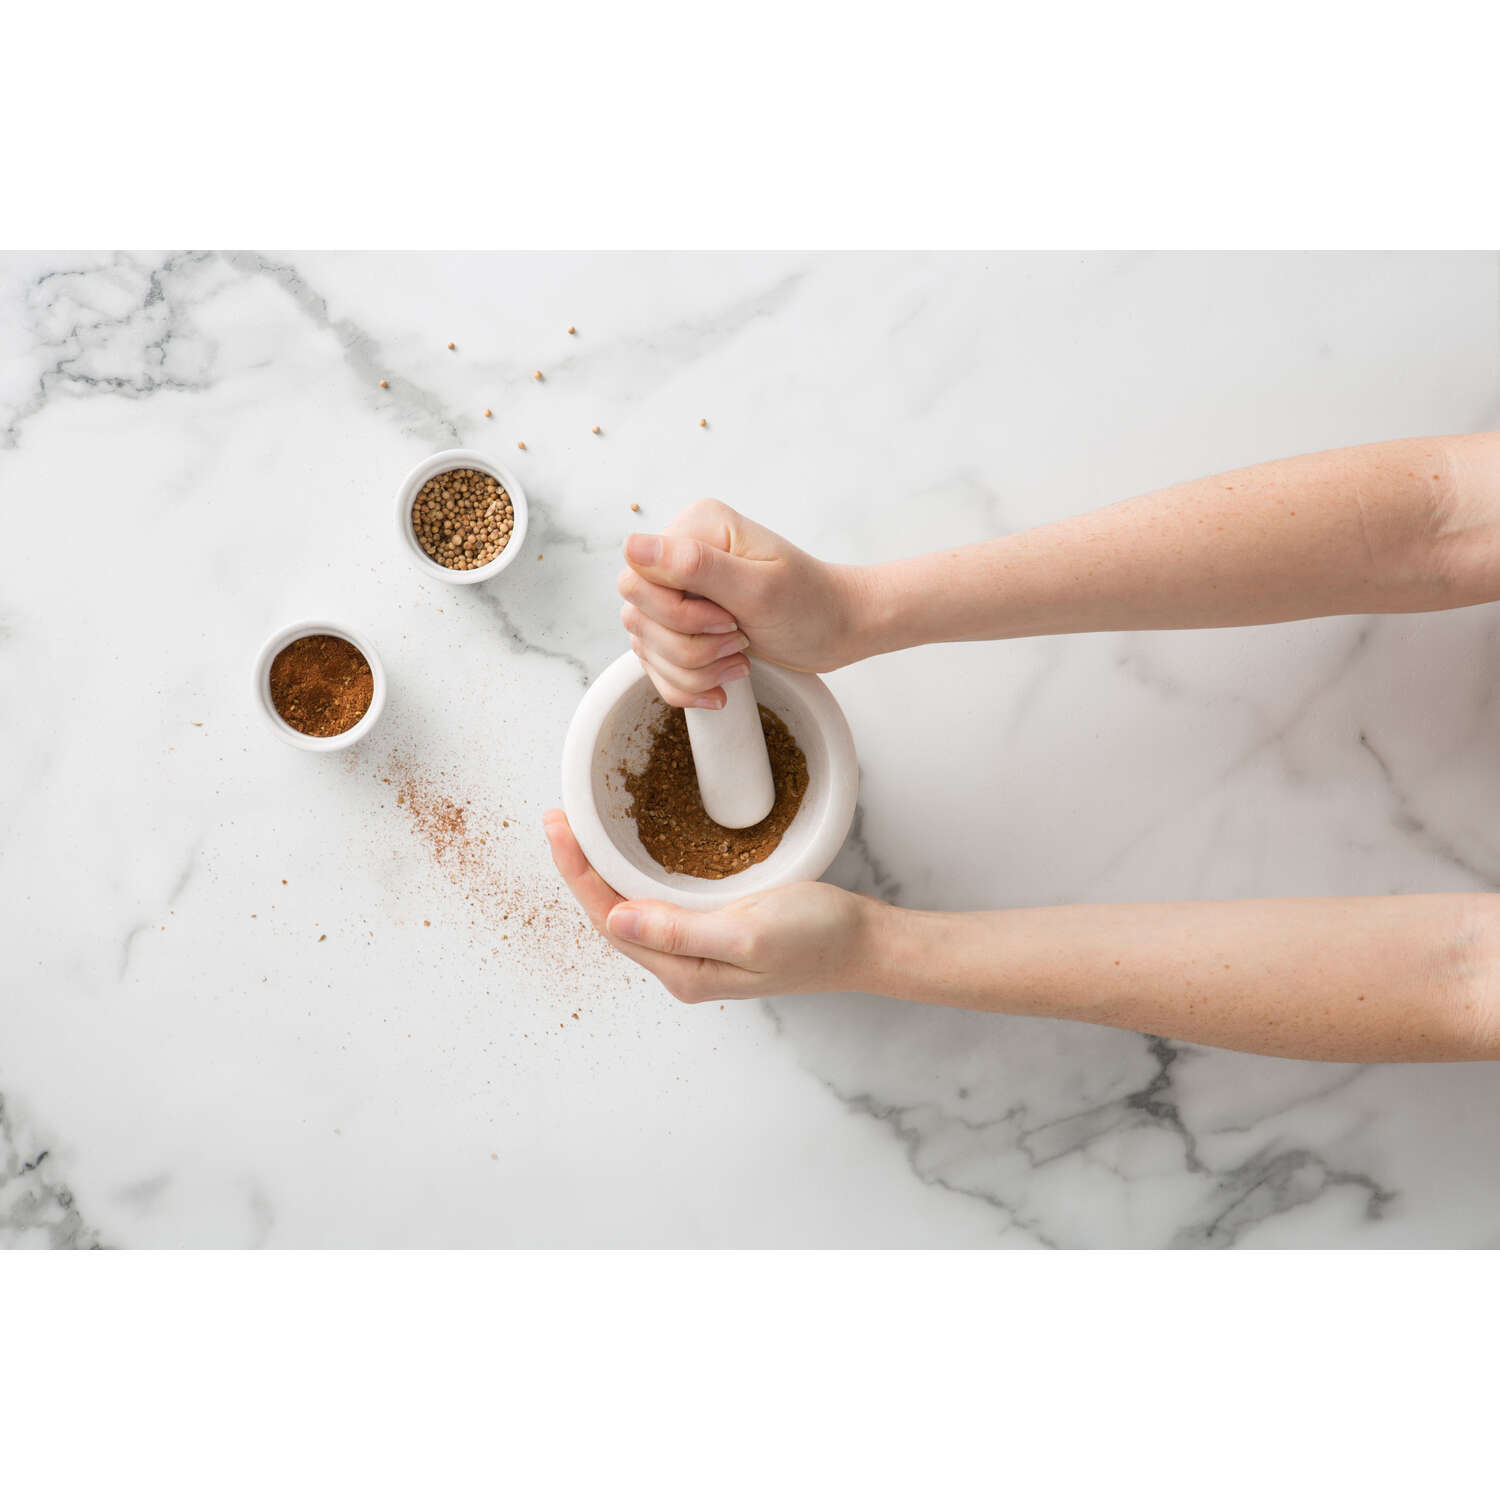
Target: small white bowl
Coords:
[(611, 726), (279, 726), (438, 463)]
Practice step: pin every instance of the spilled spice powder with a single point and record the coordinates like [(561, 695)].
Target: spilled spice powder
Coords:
[(507, 889), (668, 811), (321, 685)]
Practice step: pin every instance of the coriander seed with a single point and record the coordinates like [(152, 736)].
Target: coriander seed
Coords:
[(385, 385), (452, 345), (462, 519), (536, 374), (703, 421), (595, 431)]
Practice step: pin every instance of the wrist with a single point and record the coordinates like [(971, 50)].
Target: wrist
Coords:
[(872, 611), (888, 953)]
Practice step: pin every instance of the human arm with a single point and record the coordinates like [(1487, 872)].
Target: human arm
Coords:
[(1372, 979), (1391, 527)]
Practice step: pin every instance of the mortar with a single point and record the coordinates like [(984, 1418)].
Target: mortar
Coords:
[(612, 726)]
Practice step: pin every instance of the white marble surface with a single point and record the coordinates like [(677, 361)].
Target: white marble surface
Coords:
[(194, 449)]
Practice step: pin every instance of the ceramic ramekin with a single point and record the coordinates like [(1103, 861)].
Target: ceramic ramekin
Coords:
[(461, 458), (611, 729), (279, 726)]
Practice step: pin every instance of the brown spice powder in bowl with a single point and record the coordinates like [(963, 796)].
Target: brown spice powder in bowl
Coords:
[(321, 685), (668, 811), (462, 519)]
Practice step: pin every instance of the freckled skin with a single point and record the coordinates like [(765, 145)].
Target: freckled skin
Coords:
[(1399, 527)]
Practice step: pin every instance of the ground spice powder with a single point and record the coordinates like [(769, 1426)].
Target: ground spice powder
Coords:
[(675, 830), (321, 685)]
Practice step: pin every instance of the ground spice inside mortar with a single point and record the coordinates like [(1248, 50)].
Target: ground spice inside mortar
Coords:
[(321, 685), (675, 830)]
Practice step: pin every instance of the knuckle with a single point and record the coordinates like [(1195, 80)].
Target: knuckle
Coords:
[(704, 512), (691, 555), (688, 615), (628, 584), (696, 652), (749, 945)]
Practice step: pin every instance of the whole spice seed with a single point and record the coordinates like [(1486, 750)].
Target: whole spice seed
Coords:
[(596, 431), (462, 519), (453, 346), (668, 811), (571, 328), (536, 374), (521, 446), (488, 412), (385, 385), (321, 685)]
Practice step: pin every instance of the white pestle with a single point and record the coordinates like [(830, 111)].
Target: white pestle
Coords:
[(729, 754)]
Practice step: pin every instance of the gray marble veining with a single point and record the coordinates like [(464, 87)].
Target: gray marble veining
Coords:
[(195, 448)]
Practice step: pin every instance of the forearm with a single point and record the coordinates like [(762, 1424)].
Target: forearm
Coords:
[(1388, 528), (1402, 978)]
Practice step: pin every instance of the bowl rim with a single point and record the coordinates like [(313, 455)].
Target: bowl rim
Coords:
[(279, 726), (634, 884), (461, 458)]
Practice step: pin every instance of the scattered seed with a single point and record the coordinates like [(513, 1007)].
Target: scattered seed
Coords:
[(452, 345), (571, 328), (635, 507), (521, 446), (596, 431), (385, 385), (488, 412), (539, 557), (703, 421), (324, 938), (426, 923), (536, 374)]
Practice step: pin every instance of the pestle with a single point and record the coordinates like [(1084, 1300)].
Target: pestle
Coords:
[(729, 754)]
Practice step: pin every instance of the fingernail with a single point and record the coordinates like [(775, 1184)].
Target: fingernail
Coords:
[(720, 629), (642, 549), (731, 646), (625, 923), (708, 700), (738, 670)]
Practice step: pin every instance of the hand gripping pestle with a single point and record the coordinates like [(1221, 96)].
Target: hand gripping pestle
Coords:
[(729, 755)]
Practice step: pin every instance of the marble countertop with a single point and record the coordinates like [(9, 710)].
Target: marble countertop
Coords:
[(249, 997)]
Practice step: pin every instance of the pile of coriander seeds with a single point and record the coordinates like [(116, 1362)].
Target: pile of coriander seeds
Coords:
[(462, 519)]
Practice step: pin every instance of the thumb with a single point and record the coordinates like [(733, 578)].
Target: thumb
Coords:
[(671, 929), (694, 567)]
